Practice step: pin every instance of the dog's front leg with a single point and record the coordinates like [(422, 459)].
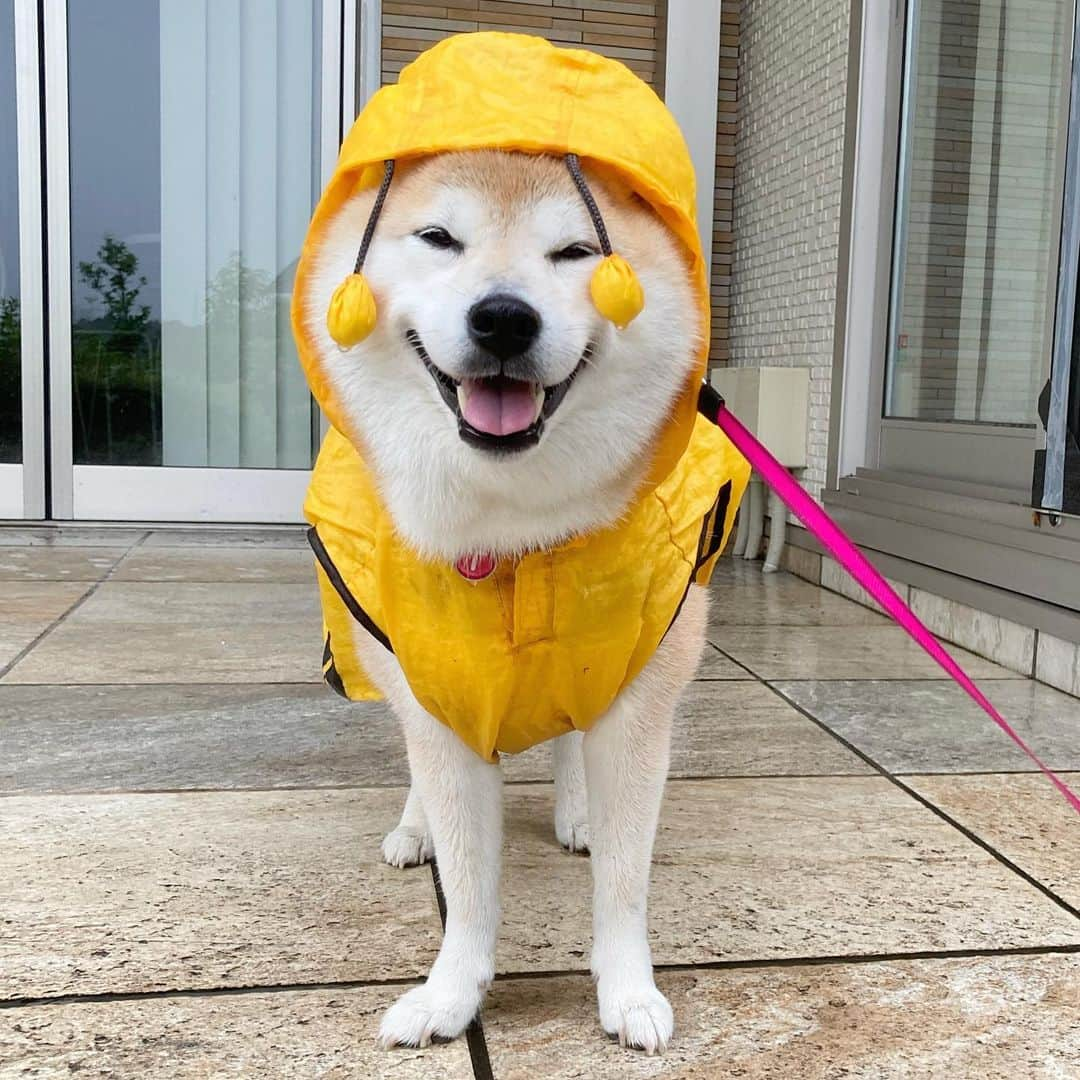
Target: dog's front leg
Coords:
[(626, 760), (410, 843), (571, 805), (462, 799)]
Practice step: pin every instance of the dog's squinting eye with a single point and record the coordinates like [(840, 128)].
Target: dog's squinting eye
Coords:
[(573, 252), (438, 237)]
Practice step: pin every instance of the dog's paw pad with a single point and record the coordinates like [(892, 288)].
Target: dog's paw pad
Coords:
[(427, 1014), (406, 847), (640, 1019), (573, 835)]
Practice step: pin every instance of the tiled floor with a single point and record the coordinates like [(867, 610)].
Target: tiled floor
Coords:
[(855, 874)]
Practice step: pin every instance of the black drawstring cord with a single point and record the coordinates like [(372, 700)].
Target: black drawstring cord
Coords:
[(369, 232), (574, 166)]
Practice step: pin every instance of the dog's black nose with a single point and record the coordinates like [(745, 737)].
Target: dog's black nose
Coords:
[(503, 325)]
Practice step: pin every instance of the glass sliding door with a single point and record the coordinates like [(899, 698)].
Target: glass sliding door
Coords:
[(976, 240), (194, 135)]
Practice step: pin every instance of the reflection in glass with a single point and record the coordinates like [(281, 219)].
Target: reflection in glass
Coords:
[(973, 278), (10, 353), (193, 175)]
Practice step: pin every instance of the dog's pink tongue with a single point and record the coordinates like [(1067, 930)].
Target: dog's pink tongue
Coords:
[(498, 406)]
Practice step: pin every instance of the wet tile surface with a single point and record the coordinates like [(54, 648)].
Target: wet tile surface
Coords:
[(840, 652), (184, 632), (133, 893), (972, 1019), (131, 738), (714, 665), (29, 607), (251, 860), (734, 729), (288, 537), (52, 563), (1023, 817), (781, 599), (224, 563), (316, 1033), (777, 868), (934, 726)]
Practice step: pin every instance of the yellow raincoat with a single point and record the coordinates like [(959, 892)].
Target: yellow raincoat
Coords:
[(545, 643)]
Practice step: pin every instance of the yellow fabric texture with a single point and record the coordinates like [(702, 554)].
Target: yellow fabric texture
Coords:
[(546, 643), (517, 92)]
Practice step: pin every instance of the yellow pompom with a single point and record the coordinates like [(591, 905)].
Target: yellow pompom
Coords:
[(616, 291), (352, 312)]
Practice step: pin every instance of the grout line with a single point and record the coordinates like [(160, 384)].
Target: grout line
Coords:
[(764, 963), (402, 784), (926, 803), (108, 996), (770, 963), (94, 586), (474, 1033)]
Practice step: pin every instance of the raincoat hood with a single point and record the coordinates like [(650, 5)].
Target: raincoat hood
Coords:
[(516, 92)]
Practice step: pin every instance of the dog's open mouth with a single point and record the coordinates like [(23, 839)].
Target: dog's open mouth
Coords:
[(497, 412)]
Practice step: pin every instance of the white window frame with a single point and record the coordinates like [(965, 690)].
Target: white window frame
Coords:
[(22, 486), (150, 493), (1000, 456)]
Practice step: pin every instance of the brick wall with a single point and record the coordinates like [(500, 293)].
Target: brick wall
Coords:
[(787, 178), (628, 30), (726, 130)]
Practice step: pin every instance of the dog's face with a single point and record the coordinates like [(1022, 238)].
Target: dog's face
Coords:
[(499, 410)]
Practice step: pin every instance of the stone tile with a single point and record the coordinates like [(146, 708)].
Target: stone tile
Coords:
[(1006, 643), (802, 563), (69, 536), (159, 653), (994, 1018), (1058, 663), (933, 726), (57, 563), (128, 893), (715, 665), (178, 603), (784, 600), (289, 1034), (840, 652), (755, 869), (28, 607), (218, 563), (131, 738), (1023, 817), (290, 536), (837, 579), (730, 729), (137, 632)]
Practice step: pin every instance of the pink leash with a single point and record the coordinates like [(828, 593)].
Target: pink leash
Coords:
[(859, 567)]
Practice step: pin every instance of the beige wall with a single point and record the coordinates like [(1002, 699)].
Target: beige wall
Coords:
[(787, 181)]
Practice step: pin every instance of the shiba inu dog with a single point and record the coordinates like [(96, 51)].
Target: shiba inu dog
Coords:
[(506, 540)]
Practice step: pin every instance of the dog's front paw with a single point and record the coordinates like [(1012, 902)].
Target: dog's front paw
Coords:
[(407, 847), (639, 1015), (573, 835), (434, 1010)]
